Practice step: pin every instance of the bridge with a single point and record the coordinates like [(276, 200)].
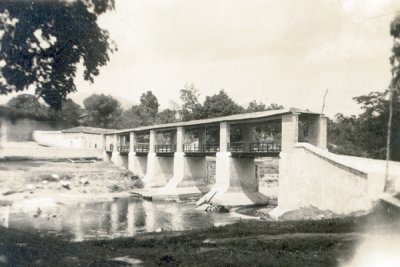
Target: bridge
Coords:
[(171, 159)]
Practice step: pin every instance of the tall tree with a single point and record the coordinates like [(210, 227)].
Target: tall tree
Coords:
[(42, 42), (220, 105), (69, 115), (102, 111), (149, 102), (191, 108), (166, 116), (26, 106)]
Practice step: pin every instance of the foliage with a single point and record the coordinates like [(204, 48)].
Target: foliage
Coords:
[(374, 125), (42, 42), (365, 135), (255, 106), (220, 105), (166, 116), (69, 115), (102, 111), (149, 104), (191, 108), (26, 106)]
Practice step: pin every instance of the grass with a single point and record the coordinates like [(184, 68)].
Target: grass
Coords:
[(246, 243)]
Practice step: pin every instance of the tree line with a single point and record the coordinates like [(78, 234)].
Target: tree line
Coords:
[(105, 111)]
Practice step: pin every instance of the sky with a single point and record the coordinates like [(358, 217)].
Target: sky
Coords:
[(287, 52)]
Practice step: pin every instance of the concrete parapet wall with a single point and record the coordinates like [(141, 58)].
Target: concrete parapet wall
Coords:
[(72, 140), (309, 176)]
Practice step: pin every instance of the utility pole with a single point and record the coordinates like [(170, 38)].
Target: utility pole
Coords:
[(389, 131)]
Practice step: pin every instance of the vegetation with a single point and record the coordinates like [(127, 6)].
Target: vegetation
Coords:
[(44, 41), (366, 135), (329, 242)]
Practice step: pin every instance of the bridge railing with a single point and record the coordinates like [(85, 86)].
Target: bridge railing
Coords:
[(123, 148), (211, 147), (205, 148), (165, 148), (255, 147), (192, 148), (141, 147)]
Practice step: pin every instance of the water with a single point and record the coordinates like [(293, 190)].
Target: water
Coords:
[(121, 218)]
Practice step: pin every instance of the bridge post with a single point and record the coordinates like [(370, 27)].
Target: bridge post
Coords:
[(318, 131), (132, 158), (290, 132), (116, 158), (236, 183), (158, 168), (178, 159)]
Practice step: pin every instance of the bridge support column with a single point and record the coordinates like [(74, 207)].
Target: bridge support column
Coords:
[(186, 170), (236, 183), (317, 131), (116, 158), (137, 164), (106, 156), (159, 169), (290, 132)]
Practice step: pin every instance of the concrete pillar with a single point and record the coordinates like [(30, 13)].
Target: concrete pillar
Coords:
[(236, 183), (290, 132), (116, 158), (133, 165), (152, 141), (159, 169), (132, 141), (106, 156), (179, 139), (224, 136), (317, 131)]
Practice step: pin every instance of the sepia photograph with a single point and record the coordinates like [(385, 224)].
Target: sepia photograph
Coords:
[(200, 133)]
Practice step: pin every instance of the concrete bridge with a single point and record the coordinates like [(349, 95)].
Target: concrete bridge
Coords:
[(172, 161)]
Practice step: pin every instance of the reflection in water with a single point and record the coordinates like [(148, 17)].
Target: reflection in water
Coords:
[(122, 217)]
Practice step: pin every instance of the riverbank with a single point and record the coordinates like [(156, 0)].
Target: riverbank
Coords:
[(62, 181), (330, 242)]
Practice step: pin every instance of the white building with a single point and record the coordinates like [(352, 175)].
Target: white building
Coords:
[(77, 137)]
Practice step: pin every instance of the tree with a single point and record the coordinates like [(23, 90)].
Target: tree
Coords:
[(191, 108), (274, 106), (26, 106), (220, 105), (374, 125), (254, 106), (166, 116), (102, 111), (149, 104), (42, 42), (69, 115)]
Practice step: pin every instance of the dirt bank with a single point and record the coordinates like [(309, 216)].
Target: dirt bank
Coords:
[(63, 181)]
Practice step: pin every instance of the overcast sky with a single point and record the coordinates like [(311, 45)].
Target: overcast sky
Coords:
[(287, 52)]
